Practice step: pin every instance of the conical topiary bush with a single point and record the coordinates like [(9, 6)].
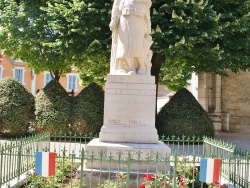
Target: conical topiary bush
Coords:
[(88, 108), (183, 115), (16, 108), (53, 109)]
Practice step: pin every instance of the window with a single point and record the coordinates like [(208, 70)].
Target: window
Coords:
[(71, 82), (19, 75), (47, 78), (1, 72)]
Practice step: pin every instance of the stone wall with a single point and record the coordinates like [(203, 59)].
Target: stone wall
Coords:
[(209, 96), (236, 101), (227, 100)]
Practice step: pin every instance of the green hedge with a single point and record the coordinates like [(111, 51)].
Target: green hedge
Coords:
[(16, 108), (53, 108), (87, 110), (183, 115)]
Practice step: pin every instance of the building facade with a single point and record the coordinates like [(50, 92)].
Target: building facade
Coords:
[(227, 100), (35, 82)]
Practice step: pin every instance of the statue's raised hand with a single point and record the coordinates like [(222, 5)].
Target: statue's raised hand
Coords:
[(113, 24)]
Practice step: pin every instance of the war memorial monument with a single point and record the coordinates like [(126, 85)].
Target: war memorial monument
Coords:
[(130, 93)]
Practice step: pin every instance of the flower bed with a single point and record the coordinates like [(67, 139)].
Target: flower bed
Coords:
[(65, 176), (185, 175)]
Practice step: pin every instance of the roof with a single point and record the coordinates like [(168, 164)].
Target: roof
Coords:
[(16, 62)]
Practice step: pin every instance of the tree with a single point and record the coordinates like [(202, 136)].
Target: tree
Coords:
[(95, 64), (53, 35), (87, 35), (175, 75), (235, 23), (189, 35), (185, 32), (25, 35)]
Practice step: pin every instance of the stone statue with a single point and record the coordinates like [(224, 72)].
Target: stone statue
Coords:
[(131, 40)]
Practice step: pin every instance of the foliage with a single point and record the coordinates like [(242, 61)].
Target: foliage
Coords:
[(185, 33), (95, 64), (57, 112), (183, 115), (156, 180), (201, 36), (57, 34), (98, 65), (87, 110), (64, 176), (26, 34), (186, 176), (175, 75), (119, 183), (16, 108), (188, 172), (235, 42), (87, 35), (53, 108)]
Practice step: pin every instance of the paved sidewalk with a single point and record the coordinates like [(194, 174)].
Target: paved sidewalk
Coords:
[(241, 140)]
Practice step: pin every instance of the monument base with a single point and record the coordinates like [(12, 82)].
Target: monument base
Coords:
[(128, 140), (129, 109), (134, 157)]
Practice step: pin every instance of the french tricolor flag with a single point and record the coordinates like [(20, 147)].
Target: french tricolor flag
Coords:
[(210, 170), (45, 163)]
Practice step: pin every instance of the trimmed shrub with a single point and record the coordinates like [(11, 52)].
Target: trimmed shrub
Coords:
[(53, 108), (88, 110), (183, 115), (16, 108)]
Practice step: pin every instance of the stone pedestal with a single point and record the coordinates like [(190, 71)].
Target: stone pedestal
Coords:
[(142, 156), (128, 127), (129, 109)]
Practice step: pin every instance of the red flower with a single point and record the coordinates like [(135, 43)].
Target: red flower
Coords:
[(164, 183), (142, 185), (182, 184), (148, 177), (216, 183), (223, 186)]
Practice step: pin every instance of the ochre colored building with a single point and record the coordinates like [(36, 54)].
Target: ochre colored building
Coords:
[(35, 82)]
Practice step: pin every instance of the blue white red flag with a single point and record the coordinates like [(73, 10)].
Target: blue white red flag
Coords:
[(45, 163), (210, 170)]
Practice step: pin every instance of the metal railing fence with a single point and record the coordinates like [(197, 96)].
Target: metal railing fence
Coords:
[(180, 168), (16, 155), (235, 161)]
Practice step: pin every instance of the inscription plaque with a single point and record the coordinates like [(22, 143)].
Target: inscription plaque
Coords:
[(126, 123), (123, 153)]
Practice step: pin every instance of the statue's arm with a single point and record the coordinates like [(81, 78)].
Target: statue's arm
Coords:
[(148, 4), (114, 23), (115, 15)]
